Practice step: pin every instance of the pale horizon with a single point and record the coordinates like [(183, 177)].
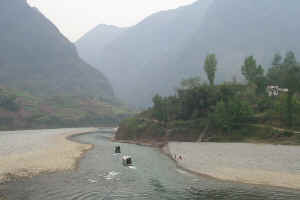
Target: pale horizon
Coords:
[(75, 18)]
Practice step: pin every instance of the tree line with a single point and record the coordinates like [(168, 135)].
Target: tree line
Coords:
[(232, 104)]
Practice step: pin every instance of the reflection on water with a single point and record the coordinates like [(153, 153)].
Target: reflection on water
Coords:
[(102, 176)]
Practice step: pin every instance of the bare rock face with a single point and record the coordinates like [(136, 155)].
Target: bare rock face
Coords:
[(37, 58)]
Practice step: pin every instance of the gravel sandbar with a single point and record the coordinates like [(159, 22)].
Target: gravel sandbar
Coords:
[(28, 153), (273, 165)]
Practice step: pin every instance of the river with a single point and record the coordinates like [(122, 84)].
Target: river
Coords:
[(102, 176)]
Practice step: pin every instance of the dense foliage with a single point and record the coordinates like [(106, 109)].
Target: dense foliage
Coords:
[(210, 68), (228, 112), (286, 73), (21, 110), (231, 105), (8, 101)]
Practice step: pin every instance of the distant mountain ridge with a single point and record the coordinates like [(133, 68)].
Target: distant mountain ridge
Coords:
[(90, 46), (235, 29), (134, 59), (37, 58), (156, 54)]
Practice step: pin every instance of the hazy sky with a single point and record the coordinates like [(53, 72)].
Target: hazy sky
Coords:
[(76, 17)]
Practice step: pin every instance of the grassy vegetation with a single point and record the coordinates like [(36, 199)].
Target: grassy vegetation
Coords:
[(140, 129), (21, 110), (255, 134)]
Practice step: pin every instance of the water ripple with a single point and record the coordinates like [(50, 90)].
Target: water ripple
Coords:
[(102, 176)]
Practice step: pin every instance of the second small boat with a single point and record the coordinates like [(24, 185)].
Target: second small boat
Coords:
[(127, 160)]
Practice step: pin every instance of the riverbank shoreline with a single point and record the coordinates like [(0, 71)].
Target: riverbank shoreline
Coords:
[(25, 154), (166, 151), (241, 167), (252, 164)]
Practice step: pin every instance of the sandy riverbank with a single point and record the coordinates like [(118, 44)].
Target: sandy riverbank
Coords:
[(28, 153), (273, 165)]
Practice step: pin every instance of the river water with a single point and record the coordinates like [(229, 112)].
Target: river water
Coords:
[(101, 175)]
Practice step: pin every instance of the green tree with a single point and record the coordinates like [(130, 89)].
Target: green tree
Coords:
[(220, 117), (197, 102), (290, 79), (290, 59), (286, 75), (277, 60), (9, 102), (261, 85), (273, 74), (233, 113), (191, 83), (227, 90), (173, 107), (210, 67), (251, 71), (158, 107)]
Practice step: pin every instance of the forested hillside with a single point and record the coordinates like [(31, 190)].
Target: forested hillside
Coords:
[(43, 81), (227, 112), (171, 45), (21, 110)]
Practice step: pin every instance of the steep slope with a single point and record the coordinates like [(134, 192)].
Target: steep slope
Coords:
[(37, 58), (94, 42), (153, 56), (21, 110), (135, 58), (235, 29)]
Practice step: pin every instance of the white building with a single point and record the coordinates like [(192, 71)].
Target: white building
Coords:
[(274, 90)]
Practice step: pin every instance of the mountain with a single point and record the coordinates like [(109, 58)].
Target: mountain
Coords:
[(156, 54), (234, 29), (37, 58), (135, 58), (90, 46), (20, 110)]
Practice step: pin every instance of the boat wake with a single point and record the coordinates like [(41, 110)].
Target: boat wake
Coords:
[(111, 175), (92, 181), (132, 167)]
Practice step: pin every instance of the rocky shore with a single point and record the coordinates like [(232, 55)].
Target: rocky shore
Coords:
[(28, 153)]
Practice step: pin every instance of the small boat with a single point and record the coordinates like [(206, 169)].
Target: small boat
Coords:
[(127, 160), (118, 149)]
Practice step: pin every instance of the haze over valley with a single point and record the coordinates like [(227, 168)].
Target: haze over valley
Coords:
[(44, 82), (172, 45), (204, 86)]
